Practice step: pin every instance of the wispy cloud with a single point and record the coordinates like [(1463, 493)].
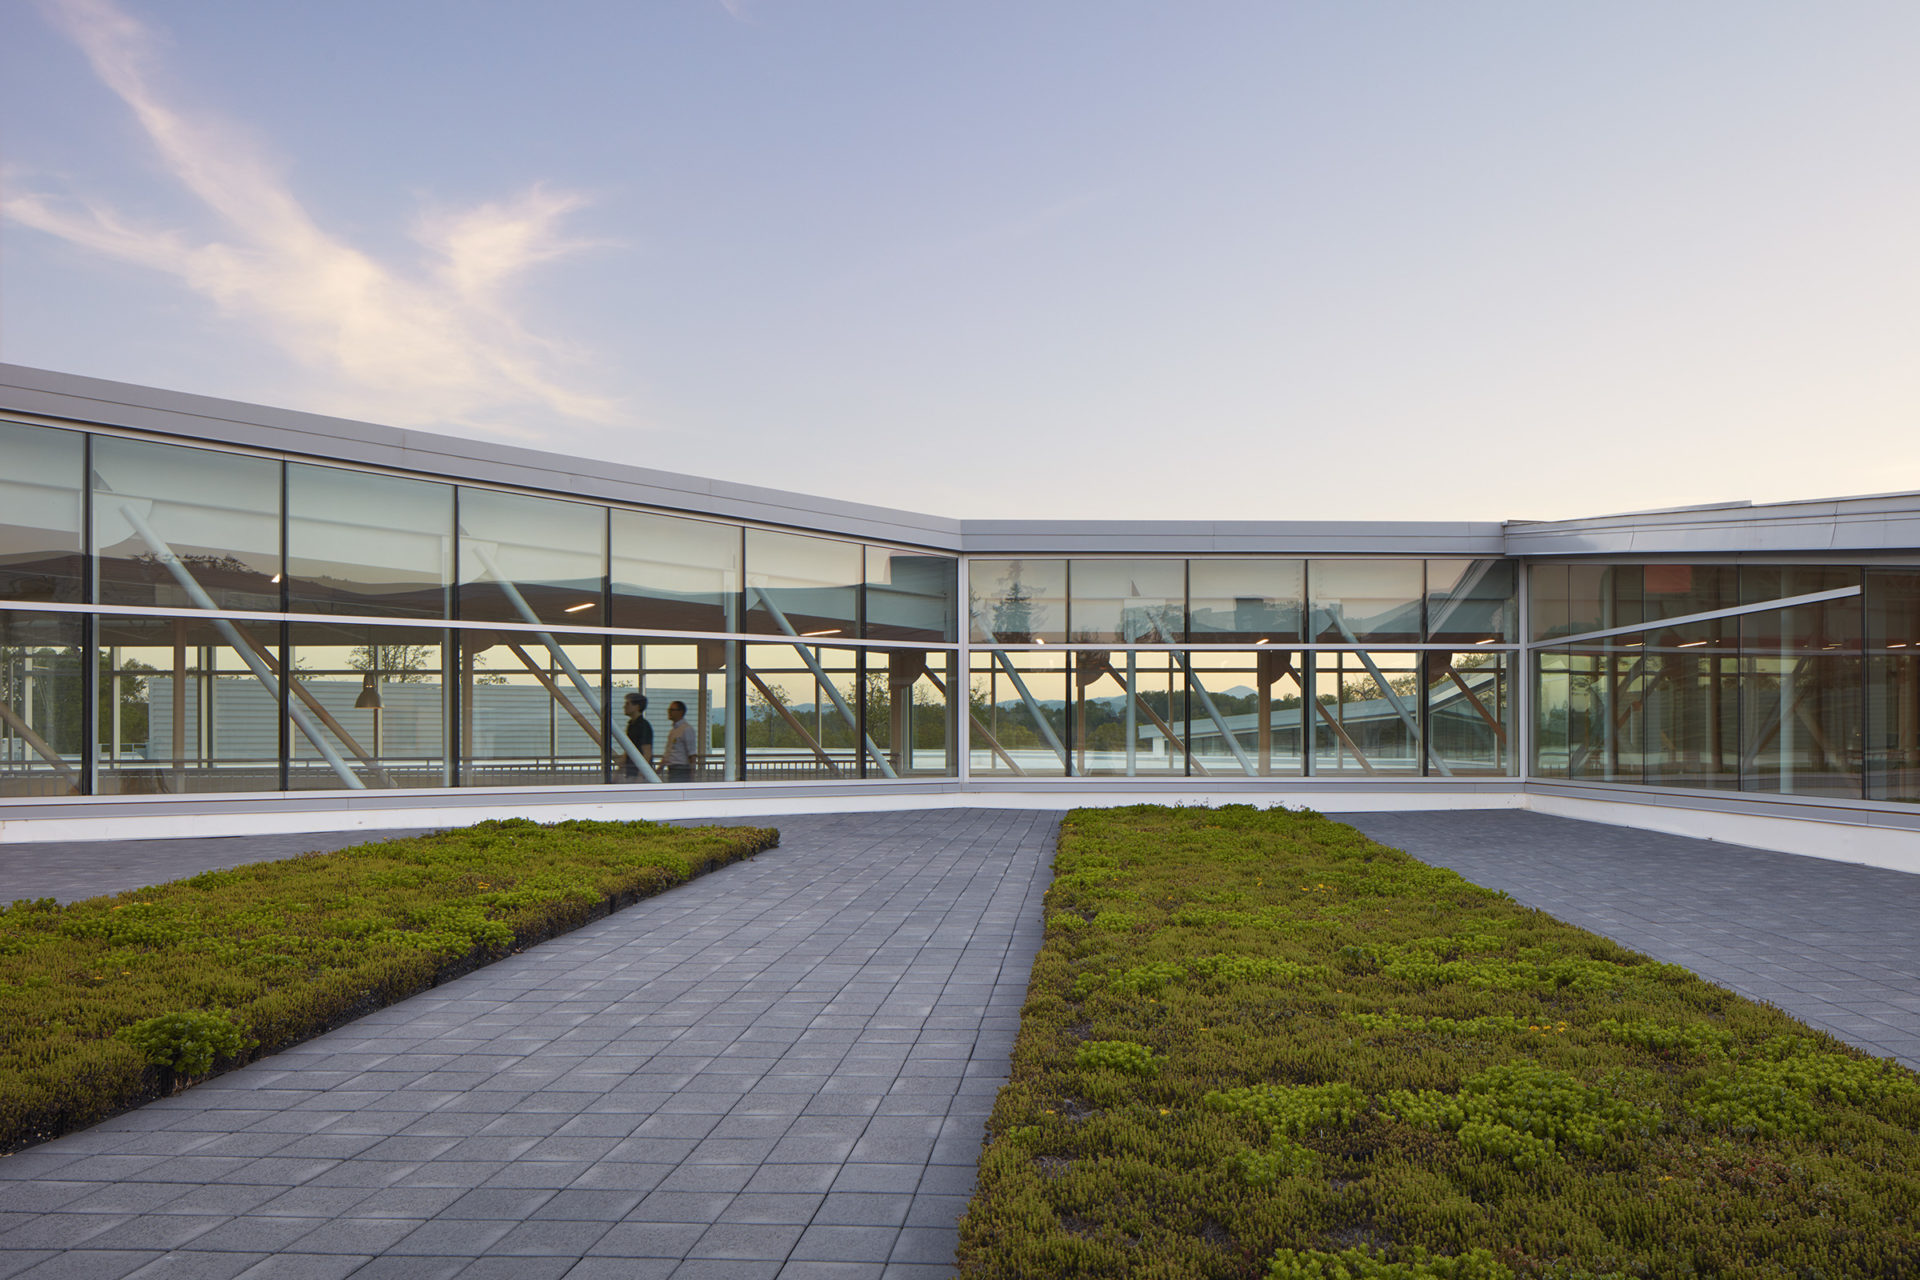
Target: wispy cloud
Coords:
[(433, 341)]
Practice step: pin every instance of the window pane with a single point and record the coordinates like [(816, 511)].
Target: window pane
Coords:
[(1369, 713), (176, 528), (1127, 601), (1019, 707), (1470, 712), (1832, 624), (1552, 713), (802, 718), (373, 545), (1547, 604), (694, 674), (1245, 601), (1470, 601), (1602, 727), (187, 705), (908, 711), (1675, 589), (1893, 684), (1129, 715), (671, 574), (912, 596), (42, 553), (811, 585), (1603, 596), (1364, 601), (1623, 672), (41, 713), (1798, 719), (376, 699), (1018, 601), (1258, 695), (530, 713), (531, 559), (1692, 706)]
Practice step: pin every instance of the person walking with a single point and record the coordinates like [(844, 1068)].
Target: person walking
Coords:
[(678, 756), (640, 734)]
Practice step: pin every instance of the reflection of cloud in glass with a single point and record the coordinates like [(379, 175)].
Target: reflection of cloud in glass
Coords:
[(438, 344)]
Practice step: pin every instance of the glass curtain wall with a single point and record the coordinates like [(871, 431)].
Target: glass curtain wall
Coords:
[(1716, 679), (1242, 667), (367, 630)]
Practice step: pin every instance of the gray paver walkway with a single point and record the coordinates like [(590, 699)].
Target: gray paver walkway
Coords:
[(781, 1069), (74, 869), (1834, 944)]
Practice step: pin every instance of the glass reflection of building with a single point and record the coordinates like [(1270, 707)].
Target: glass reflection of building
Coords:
[(249, 602)]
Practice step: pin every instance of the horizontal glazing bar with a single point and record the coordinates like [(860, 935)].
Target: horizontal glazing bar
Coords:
[(454, 624), (1282, 647), (1680, 620)]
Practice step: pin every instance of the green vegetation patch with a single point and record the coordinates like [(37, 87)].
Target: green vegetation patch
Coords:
[(112, 1001), (1307, 1055)]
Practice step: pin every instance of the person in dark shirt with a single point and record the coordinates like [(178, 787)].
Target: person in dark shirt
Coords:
[(639, 733)]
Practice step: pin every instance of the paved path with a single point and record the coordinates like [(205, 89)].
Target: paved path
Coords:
[(74, 869), (781, 1069), (1834, 944)]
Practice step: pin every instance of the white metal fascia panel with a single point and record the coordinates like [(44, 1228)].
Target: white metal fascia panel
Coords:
[(1878, 522)]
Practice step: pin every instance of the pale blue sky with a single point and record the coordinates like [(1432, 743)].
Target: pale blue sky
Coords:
[(1409, 260)]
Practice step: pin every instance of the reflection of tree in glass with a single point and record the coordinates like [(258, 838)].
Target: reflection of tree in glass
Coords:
[(55, 712), (402, 663), (1015, 616)]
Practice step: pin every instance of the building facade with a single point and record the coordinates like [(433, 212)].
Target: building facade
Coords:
[(217, 616)]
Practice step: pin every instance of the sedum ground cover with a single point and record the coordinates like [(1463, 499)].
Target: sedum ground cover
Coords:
[(115, 1000), (1257, 1044)]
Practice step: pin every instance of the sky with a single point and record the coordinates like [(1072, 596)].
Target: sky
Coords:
[(1100, 259)]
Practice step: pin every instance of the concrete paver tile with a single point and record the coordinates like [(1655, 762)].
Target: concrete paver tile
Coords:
[(865, 1209), (451, 1237), (926, 1244), (193, 1264), (845, 1244), (89, 1264), (623, 1269), (725, 1269), (517, 1268), (645, 1238), (404, 1267), (61, 1230)]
